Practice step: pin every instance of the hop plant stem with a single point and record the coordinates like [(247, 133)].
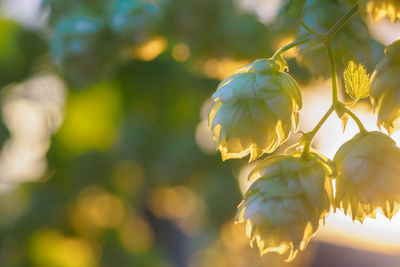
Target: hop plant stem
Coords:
[(335, 96), (356, 119), (341, 22), (328, 36), (306, 150), (289, 46), (307, 28)]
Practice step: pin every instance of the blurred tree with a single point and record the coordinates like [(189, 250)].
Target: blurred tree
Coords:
[(126, 182)]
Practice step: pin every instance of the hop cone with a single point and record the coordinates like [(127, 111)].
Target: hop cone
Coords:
[(284, 206), (379, 9), (368, 176), (254, 110), (385, 89)]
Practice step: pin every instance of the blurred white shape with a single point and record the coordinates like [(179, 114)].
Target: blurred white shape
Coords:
[(330, 137), (378, 235), (385, 31), (266, 10), (203, 136), (32, 112), (26, 12)]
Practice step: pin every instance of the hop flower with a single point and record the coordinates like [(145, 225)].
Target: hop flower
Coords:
[(254, 110), (284, 206), (368, 176), (385, 89), (379, 9)]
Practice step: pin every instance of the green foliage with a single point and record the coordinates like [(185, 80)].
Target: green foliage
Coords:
[(17, 55), (94, 37), (354, 36), (124, 182), (294, 8)]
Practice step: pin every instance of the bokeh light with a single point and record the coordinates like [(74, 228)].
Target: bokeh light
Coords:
[(150, 49), (180, 52), (32, 112), (96, 210), (91, 119), (51, 248), (179, 204)]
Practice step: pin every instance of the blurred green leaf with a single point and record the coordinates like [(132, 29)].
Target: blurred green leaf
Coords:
[(294, 8)]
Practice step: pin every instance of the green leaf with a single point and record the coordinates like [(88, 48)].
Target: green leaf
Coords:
[(294, 8), (356, 80)]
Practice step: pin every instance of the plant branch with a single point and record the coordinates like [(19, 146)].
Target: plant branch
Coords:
[(306, 27), (311, 135), (335, 95), (356, 119), (340, 23), (289, 46), (328, 36)]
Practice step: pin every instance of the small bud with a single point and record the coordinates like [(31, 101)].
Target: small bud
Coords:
[(284, 206), (368, 176), (254, 110), (385, 89)]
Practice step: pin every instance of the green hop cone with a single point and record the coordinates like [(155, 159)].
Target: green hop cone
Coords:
[(379, 9), (368, 172), (385, 89), (284, 206), (254, 110)]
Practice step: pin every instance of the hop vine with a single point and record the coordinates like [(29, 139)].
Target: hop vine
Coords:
[(254, 111)]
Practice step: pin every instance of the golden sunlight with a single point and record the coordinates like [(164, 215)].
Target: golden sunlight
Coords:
[(150, 49)]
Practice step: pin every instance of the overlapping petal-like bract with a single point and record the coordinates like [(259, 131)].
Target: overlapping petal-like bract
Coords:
[(379, 9), (254, 110), (284, 206), (385, 89), (368, 176)]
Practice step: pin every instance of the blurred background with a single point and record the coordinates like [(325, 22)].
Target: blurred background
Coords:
[(106, 158)]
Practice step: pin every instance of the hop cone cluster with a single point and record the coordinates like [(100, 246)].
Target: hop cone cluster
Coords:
[(368, 176), (379, 9), (284, 206), (254, 110), (385, 89)]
